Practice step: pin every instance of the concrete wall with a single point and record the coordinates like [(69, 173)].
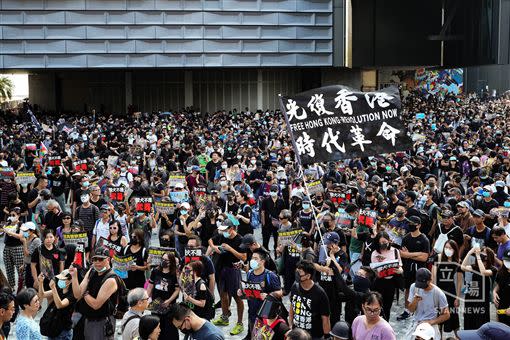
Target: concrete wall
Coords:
[(53, 34)]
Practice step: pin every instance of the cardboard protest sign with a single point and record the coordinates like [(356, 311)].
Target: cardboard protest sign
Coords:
[(175, 178), (80, 165), (286, 238), (54, 161), (113, 248), (192, 254), (6, 172), (386, 268), (338, 122), (25, 177), (121, 264), (367, 218), (117, 193), (179, 196), (46, 267), (143, 204), (165, 207), (156, 255), (76, 237), (315, 187), (79, 256)]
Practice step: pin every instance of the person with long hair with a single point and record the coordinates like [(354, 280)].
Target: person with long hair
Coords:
[(198, 299), (386, 281), (46, 258), (115, 236), (66, 227), (447, 275), (163, 286), (13, 250), (136, 248), (26, 327), (371, 325), (150, 328), (477, 301)]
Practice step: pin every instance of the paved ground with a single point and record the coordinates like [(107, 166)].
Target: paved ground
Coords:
[(400, 327)]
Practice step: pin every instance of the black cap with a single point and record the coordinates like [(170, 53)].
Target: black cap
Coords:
[(350, 208), (340, 330), (479, 213), (101, 252), (247, 240), (489, 330), (414, 220), (274, 187), (423, 276), (447, 213)]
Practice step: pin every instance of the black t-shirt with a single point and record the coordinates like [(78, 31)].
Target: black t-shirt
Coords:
[(211, 168), (58, 183), (136, 278), (309, 306), (272, 209), (32, 195), (419, 244), (180, 228), (12, 241), (206, 230), (245, 228), (164, 284), (227, 259), (53, 255), (503, 281), (482, 238), (457, 235)]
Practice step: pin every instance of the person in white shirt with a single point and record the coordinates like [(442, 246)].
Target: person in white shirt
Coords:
[(102, 227), (138, 301)]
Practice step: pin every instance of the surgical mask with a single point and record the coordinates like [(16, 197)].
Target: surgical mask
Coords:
[(448, 252), (486, 194), (100, 270), (287, 159), (273, 193), (62, 284), (507, 264), (85, 184), (139, 214), (253, 161), (506, 204), (123, 169), (165, 264), (184, 212), (26, 234), (84, 198), (254, 264), (399, 214), (223, 183), (226, 234), (360, 283), (297, 277), (224, 166), (11, 219), (412, 227), (306, 206)]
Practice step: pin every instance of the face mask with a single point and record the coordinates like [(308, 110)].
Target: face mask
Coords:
[(184, 212), (506, 204), (84, 198), (412, 228), (26, 234), (253, 161), (226, 234), (507, 264), (134, 240), (139, 214), (287, 159), (360, 283), (273, 194), (254, 264), (85, 184), (384, 246), (165, 243), (100, 270), (11, 219), (223, 183), (297, 277), (224, 166), (448, 252), (486, 194), (61, 284), (399, 214), (165, 263), (306, 206), (123, 169)]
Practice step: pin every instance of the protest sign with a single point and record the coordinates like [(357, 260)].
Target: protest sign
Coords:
[(75, 238), (187, 281), (54, 161), (165, 207), (156, 254), (192, 254), (79, 256), (80, 165), (113, 248), (315, 187), (286, 238), (117, 193), (367, 218), (156, 306), (121, 264), (175, 178), (6, 172), (340, 197), (133, 169), (30, 146), (143, 204), (251, 290), (179, 196), (344, 220), (46, 267), (112, 160), (420, 115), (385, 268), (337, 122), (25, 177)]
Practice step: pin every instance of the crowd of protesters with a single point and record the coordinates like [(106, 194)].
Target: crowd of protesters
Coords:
[(431, 224)]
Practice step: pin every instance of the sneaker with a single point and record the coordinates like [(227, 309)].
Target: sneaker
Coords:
[(217, 305), (403, 316), (238, 329), (220, 321)]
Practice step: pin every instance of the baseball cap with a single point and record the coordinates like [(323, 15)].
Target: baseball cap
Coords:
[(475, 159), (105, 207), (226, 224), (463, 204), (479, 213), (489, 330), (274, 187), (195, 168), (331, 237), (101, 252), (340, 330), (500, 184), (425, 331), (447, 213), (247, 240), (185, 205), (423, 276), (414, 220), (28, 226), (411, 195), (179, 185)]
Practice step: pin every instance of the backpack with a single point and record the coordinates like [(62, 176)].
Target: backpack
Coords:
[(441, 240), (209, 310), (426, 219), (121, 306), (50, 323), (132, 317)]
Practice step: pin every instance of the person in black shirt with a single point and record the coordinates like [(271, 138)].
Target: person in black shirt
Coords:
[(58, 184), (270, 210), (309, 309), (227, 243), (244, 214), (452, 231), (212, 167), (47, 259), (257, 176), (501, 291)]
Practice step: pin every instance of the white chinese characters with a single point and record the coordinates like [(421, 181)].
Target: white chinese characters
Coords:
[(332, 139), (316, 105), (380, 97), (305, 144), (293, 110), (359, 137), (388, 132), (343, 101)]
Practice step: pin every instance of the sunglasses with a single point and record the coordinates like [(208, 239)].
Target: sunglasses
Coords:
[(66, 218), (98, 259)]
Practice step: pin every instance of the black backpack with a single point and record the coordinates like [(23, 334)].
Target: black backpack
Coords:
[(50, 323), (121, 306)]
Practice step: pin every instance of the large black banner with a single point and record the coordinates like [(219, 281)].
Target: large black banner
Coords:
[(337, 122)]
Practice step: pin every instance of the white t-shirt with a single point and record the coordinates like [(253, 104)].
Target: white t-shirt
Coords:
[(427, 308), (101, 229)]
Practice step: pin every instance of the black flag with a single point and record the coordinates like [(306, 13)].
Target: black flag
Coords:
[(337, 122)]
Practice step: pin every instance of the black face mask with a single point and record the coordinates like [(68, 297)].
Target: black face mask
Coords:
[(165, 264), (360, 283), (412, 227), (134, 240), (385, 246), (165, 243)]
